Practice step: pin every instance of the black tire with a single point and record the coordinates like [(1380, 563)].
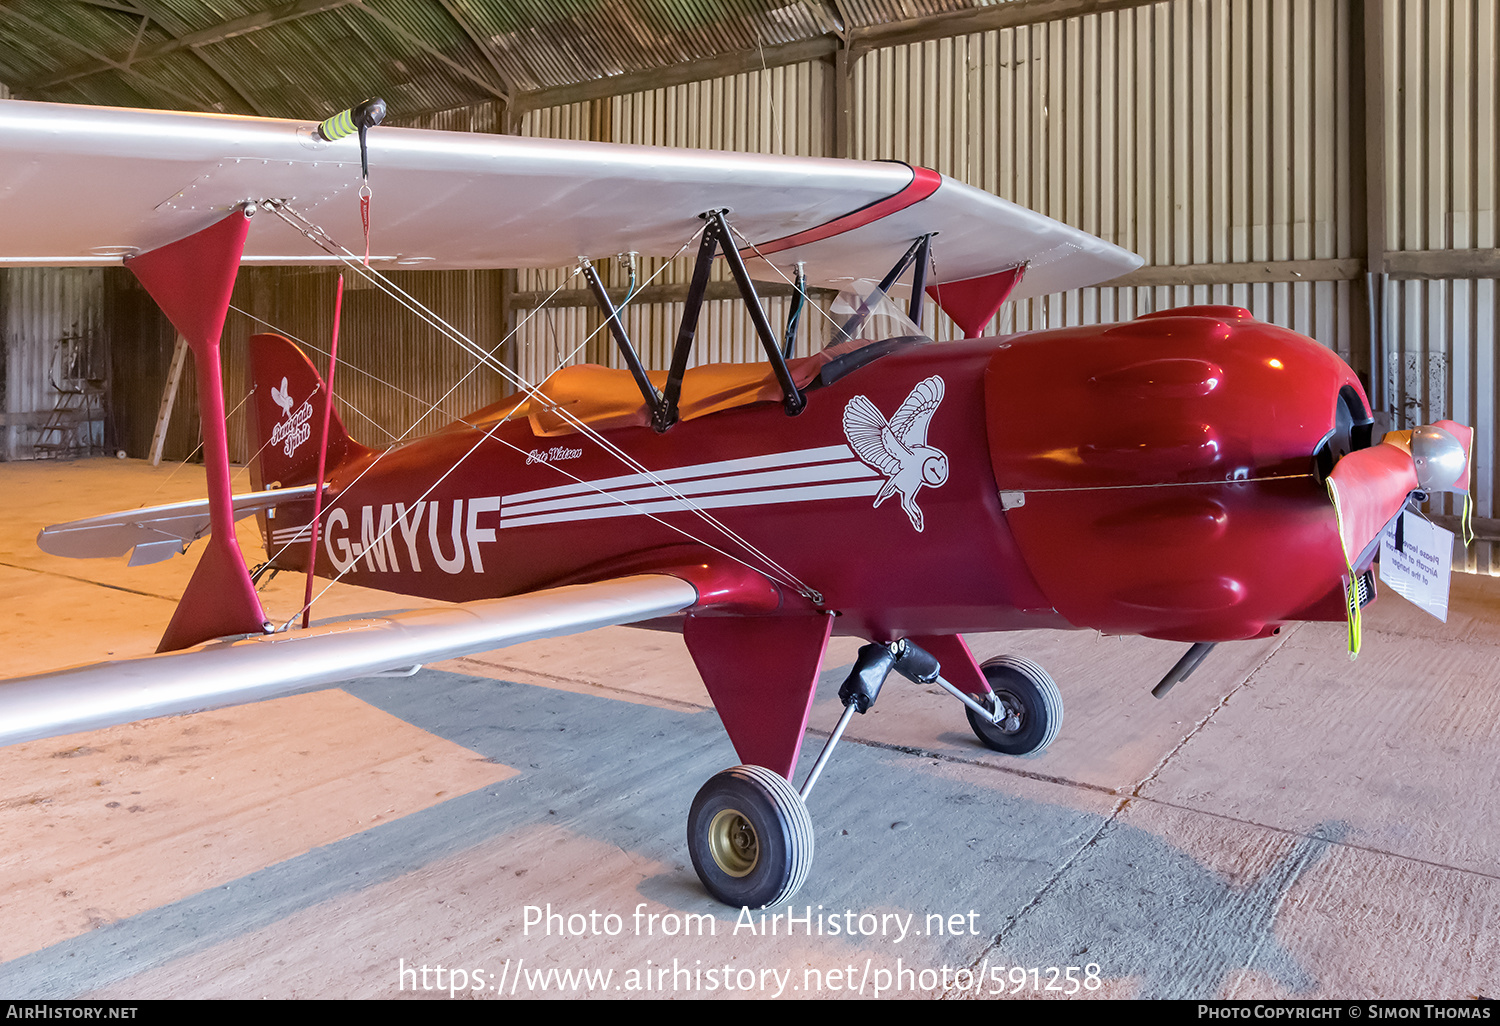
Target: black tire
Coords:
[(750, 837), (1032, 698)]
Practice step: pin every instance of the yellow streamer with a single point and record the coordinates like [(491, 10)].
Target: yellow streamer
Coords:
[(1351, 583)]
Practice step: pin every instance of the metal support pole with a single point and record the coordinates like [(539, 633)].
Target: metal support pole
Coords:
[(919, 281), (793, 400), (794, 315), (692, 306), (833, 739), (853, 324), (617, 329), (1184, 667)]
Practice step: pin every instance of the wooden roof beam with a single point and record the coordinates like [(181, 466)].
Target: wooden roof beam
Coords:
[(483, 46), (737, 63), (174, 28), (110, 65), (499, 90), (189, 40), (982, 19)]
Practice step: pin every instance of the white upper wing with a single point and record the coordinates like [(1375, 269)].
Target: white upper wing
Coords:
[(89, 185)]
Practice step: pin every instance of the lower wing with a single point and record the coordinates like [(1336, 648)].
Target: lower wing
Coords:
[(230, 672)]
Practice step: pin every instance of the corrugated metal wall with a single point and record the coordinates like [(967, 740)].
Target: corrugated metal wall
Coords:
[(779, 110), (141, 345), (1442, 97), (1192, 132), (53, 318), (1195, 131), (398, 376)]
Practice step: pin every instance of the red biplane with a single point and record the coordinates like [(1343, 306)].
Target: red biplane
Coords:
[(1193, 475)]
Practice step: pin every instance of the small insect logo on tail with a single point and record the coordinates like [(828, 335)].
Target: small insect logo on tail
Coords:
[(898, 448)]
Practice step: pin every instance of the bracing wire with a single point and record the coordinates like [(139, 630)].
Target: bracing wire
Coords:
[(313, 347), (397, 440), (838, 329), (489, 435), (199, 448), (320, 237), (630, 461)]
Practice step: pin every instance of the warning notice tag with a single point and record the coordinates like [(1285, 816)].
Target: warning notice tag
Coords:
[(1416, 560)]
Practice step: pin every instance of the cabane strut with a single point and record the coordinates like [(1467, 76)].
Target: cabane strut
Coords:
[(664, 404)]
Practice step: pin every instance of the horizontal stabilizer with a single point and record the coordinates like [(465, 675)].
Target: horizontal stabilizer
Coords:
[(221, 673), (154, 533)]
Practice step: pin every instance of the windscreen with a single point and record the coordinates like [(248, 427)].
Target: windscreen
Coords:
[(862, 315)]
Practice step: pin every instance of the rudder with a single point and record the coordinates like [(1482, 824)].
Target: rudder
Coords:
[(286, 415)]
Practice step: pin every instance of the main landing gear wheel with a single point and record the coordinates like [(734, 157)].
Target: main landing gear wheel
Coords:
[(1032, 705), (750, 837)]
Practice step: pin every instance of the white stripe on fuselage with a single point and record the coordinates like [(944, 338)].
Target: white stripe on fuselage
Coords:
[(817, 474), (354, 533), (728, 501), (825, 454), (805, 475)]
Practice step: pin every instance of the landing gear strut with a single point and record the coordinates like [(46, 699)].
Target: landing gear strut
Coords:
[(749, 832)]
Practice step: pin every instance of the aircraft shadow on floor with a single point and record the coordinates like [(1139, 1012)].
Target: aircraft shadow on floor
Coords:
[(1052, 885)]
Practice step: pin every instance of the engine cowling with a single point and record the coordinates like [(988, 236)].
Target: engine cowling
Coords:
[(1160, 475)]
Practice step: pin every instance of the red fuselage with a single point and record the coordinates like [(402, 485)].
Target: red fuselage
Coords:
[(1154, 477)]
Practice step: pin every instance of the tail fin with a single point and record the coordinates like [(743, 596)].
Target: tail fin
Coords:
[(286, 416)]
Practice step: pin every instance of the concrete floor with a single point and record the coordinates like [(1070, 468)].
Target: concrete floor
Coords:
[(1285, 824)]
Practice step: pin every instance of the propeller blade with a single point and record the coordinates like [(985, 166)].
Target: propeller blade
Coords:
[(1370, 487)]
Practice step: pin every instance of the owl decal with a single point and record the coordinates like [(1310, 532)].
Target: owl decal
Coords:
[(282, 398), (898, 448)]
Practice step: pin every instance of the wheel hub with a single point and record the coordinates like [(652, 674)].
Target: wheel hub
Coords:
[(732, 843), (1010, 715)]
